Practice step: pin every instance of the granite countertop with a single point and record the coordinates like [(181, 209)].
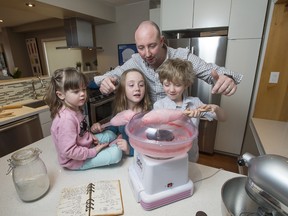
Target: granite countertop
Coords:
[(270, 136), (20, 113)]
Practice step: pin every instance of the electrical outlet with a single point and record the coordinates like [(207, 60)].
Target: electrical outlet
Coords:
[(274, 77)]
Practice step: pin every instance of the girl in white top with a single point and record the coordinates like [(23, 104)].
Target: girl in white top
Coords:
[(176, 75)]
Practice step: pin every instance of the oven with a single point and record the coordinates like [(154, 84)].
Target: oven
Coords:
[(99, 106)]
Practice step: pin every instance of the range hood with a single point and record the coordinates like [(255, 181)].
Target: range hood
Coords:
[(79, 34)]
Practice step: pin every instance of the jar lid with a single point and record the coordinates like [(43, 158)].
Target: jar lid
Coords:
[(24, 156)]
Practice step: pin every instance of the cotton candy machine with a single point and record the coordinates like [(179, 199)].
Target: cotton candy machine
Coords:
[(159, 173)]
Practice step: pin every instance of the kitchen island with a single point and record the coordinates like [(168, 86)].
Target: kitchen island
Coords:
[(207, 187)]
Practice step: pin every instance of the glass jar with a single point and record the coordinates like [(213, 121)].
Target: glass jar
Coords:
[(29, 174)]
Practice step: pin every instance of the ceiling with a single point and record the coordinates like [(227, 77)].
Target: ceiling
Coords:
[(16, 14)]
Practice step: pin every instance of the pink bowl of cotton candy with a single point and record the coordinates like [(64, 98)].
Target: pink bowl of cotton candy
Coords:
[(162, 133)]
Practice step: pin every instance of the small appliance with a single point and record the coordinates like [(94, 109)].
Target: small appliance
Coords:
[(267, 182), (159, 173), (263, 192)]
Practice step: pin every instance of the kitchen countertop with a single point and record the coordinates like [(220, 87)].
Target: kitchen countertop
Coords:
[(206, 197), (270, 136), (23, 112)]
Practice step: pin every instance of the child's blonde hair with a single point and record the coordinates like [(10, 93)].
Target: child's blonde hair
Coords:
[(177, 71), (63, 80), (120, 102)]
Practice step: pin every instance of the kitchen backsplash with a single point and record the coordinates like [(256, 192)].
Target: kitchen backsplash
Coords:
[(19, 90), (16, 91)]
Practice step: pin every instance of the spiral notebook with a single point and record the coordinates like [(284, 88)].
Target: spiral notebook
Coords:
[(98, 198)]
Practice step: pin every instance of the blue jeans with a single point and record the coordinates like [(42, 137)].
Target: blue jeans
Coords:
[(110, 155)]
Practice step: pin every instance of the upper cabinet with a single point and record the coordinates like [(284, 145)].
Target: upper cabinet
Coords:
[(154, 15), (194, 14), (211, 13), (247, 19), (175, 15)]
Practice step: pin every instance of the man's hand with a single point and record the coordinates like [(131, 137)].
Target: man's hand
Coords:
[(223, 84), (108, 85)]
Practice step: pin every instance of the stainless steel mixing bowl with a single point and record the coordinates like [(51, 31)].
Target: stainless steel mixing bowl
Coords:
[(235, 200)]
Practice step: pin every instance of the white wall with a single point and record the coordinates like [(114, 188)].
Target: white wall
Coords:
[(54, 57), (109, 36)]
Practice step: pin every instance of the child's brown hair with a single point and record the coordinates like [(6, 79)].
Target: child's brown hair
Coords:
[(177, 71), (63, 80)]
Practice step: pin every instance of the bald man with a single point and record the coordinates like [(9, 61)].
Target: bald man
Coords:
[(152, 52)]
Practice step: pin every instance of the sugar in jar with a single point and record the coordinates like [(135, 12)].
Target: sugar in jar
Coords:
[(29, 174)]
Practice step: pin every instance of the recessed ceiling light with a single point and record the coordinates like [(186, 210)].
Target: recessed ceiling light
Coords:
[(29, 4), (1, 21)]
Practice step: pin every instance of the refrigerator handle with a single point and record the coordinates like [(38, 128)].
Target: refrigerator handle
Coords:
[(192, 49)]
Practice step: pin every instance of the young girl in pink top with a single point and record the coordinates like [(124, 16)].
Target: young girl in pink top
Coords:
[(77, 148)]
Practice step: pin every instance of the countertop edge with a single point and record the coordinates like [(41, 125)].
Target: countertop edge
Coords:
[(270, 136), (23, 112)]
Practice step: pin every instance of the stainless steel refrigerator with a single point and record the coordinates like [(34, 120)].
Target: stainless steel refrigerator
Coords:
[(212, 50)]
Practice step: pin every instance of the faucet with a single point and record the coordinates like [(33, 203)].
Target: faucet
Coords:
[(41, 81), (34, 94), (34, 90)]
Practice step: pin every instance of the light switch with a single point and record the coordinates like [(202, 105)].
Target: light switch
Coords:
[(274, 76)]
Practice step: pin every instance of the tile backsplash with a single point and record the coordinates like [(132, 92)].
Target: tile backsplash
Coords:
[(16, 91), (19, 90)]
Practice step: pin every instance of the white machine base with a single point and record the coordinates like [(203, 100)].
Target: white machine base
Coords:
[(156, 200)]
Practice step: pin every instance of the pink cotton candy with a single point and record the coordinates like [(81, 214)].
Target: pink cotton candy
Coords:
[(162, 116), (122, 118)]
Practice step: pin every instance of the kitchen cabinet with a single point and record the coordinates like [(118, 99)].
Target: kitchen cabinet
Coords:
[(247, 18), (175, 16), (211, 13), (20, 133), (244, 41), (242, 57), (46, 122), (154, 15), (194, 14)]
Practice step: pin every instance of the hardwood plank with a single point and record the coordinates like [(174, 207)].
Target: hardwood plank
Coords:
[(226, 162)]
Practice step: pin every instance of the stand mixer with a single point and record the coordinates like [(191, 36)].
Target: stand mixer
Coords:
[(267, 182), (264, 192), (159, 173)]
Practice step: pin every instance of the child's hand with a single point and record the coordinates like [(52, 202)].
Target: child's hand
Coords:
[(192, 113), (123, 145), (95, 141), (101, 146), (207, 108), (96, 128)]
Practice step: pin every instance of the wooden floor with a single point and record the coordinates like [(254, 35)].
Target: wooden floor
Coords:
[(226, 162)]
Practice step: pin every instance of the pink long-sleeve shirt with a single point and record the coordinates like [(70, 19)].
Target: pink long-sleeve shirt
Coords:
[(72, 149)]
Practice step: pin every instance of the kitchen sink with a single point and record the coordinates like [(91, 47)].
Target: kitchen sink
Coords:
[(36, 104)]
